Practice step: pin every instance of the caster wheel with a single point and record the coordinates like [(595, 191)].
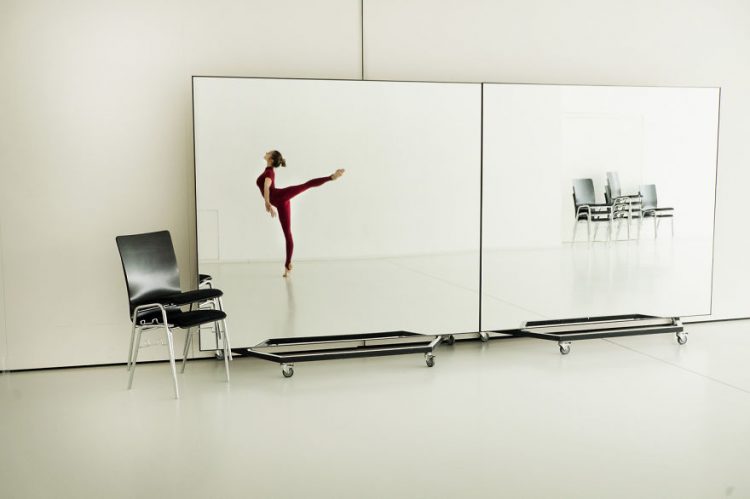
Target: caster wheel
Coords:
[(429, 359), (287, 370), (449, 340), (565, 348), (681, 338), (484, 337)]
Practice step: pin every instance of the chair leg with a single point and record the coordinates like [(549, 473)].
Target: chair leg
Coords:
[(188, 340), (656, 226), (575, 226), (135, 357), (226, 331), (671, 224), (130, 351), (227, 351), (170, 343)]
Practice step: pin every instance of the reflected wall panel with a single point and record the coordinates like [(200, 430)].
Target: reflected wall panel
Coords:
[(393, 244), (537, 139)]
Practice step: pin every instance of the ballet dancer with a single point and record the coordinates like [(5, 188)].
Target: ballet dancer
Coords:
[(279, 198)]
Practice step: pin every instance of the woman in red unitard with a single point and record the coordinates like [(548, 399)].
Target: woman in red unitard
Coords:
[(280, 198)]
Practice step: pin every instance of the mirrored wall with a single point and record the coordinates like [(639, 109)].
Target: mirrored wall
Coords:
[(597, 201), (593, 200), (393, 244)]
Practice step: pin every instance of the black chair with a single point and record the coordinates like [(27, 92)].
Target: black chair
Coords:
[(650, 209), (156, 300), (587, 209)]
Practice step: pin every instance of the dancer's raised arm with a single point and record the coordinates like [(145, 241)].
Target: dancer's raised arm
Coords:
[(267, 197)]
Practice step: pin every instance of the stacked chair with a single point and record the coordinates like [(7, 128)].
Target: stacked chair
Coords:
[(156, 300), (618, 208), (650, 209), (587, 209)]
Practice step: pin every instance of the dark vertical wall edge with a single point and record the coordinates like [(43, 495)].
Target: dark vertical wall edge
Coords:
[(716, 191), (481, 193)]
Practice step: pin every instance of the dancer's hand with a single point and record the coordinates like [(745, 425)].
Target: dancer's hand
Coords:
[(269, 209)]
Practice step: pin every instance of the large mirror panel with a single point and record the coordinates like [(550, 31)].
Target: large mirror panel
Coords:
[(597, 201), (391, 245)]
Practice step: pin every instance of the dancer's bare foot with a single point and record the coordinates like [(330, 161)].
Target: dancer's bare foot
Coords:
[(337, 173), (287, 270)]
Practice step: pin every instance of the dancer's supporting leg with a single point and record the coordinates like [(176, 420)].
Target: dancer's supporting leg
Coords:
[(285, 219)]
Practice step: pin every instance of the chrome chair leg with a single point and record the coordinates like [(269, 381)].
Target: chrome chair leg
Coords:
[(226, 331), (170, 342), (227, 351), (135, 357), (188, 341), (130, 351)]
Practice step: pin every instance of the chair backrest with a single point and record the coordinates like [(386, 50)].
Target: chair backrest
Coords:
[(150, 266), (583, 191), (613, 181), (648, 196)]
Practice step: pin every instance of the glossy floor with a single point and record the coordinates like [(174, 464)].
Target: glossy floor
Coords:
[(622, 418), (439, 294)]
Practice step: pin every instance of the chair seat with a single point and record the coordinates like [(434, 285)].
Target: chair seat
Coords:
[(186, 298), (178, 318), (595, 217), (658, 212), (194, 296)]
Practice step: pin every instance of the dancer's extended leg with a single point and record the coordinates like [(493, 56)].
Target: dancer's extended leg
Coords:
[(287, 193), (280, 199)]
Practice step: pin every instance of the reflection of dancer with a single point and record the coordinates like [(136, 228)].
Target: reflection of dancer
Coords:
[(280, 198)]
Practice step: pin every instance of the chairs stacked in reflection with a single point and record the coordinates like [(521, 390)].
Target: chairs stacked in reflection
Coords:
[(617, 209)]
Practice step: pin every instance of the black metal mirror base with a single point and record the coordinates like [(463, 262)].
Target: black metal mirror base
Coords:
[(565, 331), (288, 351)]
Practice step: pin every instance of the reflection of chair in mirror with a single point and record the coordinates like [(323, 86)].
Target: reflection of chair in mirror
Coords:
[(625, 208), (153, 282), (650, 209), (587, 209)]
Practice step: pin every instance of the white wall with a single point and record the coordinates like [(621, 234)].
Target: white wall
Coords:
[(3, 337), (614, 42), (96, 128), (537, 138), (96, 135), (407, 148)]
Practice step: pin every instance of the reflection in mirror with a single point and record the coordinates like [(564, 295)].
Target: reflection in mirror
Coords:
[(597, 201), (393, 244)]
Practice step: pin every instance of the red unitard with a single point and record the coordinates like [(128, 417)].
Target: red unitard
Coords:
[(280, 199)]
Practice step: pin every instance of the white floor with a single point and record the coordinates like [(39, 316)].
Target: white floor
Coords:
[(665, 277), (439, 294), (638, 417), (429, 295)]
